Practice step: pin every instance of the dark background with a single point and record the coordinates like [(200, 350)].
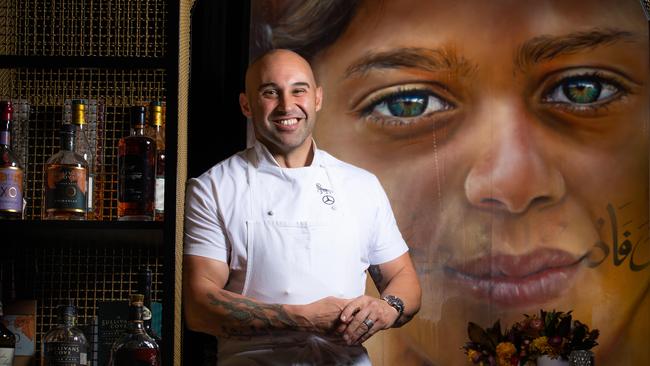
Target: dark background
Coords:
[(216, 127)]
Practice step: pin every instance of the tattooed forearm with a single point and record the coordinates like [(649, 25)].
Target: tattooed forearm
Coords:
[(377, 277), (251, 318)]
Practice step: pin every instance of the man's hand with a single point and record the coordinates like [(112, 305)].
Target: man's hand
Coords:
[(365, 316), (321, 316)]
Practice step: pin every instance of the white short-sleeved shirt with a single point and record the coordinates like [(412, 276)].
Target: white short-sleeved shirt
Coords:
[(219, 203)]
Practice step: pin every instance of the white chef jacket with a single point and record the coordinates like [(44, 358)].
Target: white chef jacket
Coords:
[(313, 231)]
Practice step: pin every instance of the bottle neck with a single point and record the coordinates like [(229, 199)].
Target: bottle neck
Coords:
[(67, 143), (5, 138), (69, 320), (137, 130)]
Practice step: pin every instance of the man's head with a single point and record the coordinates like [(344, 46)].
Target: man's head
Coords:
[(281, 99)]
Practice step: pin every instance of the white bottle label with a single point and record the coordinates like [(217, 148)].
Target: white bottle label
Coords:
[(7, 356), (160, 194)]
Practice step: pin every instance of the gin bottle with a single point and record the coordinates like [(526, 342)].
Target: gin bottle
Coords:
[(66, 181), (65, 344), (11, 169)]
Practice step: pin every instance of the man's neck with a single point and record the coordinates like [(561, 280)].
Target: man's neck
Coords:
[(299, 157)]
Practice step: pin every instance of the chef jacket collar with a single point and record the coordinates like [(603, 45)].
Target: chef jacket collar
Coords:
[(266, 159)]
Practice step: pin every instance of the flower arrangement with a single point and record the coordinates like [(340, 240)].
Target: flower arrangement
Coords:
[(551, 333)]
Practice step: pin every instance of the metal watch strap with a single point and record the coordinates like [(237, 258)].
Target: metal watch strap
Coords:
[(396, 303)]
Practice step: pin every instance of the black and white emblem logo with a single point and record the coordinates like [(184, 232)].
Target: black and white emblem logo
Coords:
[(327, 194)]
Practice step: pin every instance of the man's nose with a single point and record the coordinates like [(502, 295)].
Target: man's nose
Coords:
[(512, 174), (285, 102)]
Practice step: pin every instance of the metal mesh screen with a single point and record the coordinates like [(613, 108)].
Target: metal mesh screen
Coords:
[(86, 276), (83, 28), (47, 90)]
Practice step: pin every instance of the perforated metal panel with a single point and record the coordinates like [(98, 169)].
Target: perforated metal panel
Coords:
[(47, 90), (83, 28), (86, 276)]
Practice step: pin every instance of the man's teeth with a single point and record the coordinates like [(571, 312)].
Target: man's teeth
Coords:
[(289, 122)]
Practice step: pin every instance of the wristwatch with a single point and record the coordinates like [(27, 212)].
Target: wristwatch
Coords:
[(396, 303)]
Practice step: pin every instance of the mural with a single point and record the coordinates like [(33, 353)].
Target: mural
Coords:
[(512, 139)]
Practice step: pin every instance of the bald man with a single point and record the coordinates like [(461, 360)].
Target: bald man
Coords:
[(278, 238)]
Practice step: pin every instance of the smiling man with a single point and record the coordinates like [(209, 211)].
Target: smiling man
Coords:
[(278, 238)]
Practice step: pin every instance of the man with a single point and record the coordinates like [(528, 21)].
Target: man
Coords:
[(278, 238)]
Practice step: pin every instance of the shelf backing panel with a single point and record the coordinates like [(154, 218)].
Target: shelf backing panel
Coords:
[(120, 28), (116, 90)]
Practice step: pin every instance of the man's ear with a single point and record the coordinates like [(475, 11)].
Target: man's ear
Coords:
[(319, 98), (244, 105)]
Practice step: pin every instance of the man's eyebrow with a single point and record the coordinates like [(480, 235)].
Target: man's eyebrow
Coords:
[(275, 86), (422, 58), (544, 48)]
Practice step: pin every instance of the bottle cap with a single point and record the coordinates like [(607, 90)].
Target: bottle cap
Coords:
[(66, 310), (138, 116), (156, 113), (78, 112)]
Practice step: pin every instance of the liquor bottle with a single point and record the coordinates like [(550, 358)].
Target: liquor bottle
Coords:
[(7, 340), (157, 116), (66, 181), (144, 287), (11, 169), (65, 344), (135, 347), (136, 167), (85, 148)]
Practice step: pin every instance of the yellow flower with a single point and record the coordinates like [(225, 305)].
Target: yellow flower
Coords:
[(541, 345), (505, 350), (472, 355)]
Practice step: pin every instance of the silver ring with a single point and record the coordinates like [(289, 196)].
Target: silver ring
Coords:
[(368, 323)]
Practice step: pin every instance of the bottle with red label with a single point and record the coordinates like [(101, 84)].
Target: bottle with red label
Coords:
[(135, 347), (66, 181), (12, 172)]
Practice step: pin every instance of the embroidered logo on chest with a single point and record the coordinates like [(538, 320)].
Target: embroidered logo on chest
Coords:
[(327, 195)]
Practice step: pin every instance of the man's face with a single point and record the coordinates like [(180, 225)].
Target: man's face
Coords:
[(512, 139), (282, 100)]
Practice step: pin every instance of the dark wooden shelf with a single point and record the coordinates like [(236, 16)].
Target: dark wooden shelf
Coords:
[(13, 61), (83, 233)]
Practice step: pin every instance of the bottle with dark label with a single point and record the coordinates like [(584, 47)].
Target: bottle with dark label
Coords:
[(136, 171), (157, 118), (85, 148), (135, 347), (66, 183), (7, 340), (65, 344), (11, 169), (144, 287)]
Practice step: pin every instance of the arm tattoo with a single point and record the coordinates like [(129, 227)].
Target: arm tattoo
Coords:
[(377, 277), (252, 318)]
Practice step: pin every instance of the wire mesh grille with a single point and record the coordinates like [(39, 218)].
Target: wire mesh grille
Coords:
[(86, 276), (47, 90), (83, 28)]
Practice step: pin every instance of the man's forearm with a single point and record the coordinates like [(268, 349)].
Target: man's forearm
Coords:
[(244, 317), (403, 285)]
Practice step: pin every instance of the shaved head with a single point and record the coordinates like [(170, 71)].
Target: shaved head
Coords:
[(281, 100), (270, 58)]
